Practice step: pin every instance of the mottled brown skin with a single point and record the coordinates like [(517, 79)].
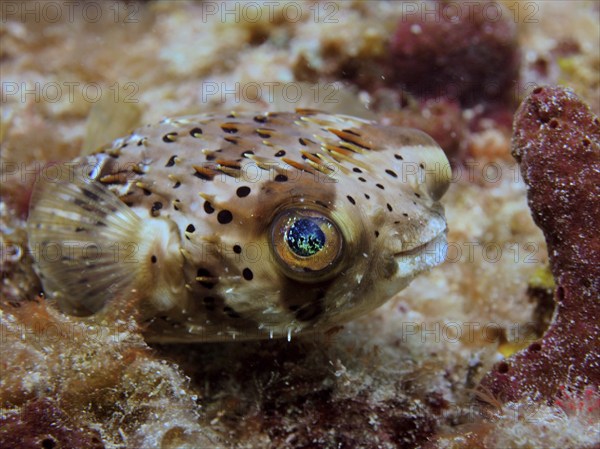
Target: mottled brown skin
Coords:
[(557, 143)]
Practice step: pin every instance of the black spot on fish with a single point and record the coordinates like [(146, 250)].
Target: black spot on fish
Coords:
[(171, 161), (260, 118), (155, 208), (229, 128), (224, 217), (170, 137), (243, 191), (204, 273), (203, 176), (196, 132), (208, 208)]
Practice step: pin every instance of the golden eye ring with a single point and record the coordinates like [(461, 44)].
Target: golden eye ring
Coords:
[(307, 244)]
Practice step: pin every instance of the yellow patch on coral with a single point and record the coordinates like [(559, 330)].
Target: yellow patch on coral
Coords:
[(542, 278)]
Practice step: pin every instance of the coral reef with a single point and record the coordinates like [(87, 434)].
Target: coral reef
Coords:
[(403, 376), (18, 281), (42, 425), (547, 394), (559, 50), (557, 143), (71, 383)]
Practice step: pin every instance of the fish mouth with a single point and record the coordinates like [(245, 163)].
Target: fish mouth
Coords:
[(429, 253)]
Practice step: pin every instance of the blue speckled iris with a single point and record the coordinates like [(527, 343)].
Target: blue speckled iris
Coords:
[(305, 237)]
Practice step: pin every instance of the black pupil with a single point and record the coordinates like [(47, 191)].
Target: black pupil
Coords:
[(305, 237)]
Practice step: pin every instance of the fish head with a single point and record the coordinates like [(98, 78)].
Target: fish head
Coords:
[(313, 249)]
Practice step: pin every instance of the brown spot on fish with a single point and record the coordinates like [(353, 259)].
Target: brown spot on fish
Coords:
[(204, 173), (352, 137), (230, 128), (265, 133)]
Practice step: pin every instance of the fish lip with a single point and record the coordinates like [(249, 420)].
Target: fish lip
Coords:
[(424, 247)]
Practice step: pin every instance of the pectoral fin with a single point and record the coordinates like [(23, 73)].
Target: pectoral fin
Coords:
[(84, 241)]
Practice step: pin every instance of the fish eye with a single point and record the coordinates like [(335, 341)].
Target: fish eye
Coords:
[(306, 243)]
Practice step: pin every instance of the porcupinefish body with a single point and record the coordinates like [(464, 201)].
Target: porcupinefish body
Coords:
[(242, 226)]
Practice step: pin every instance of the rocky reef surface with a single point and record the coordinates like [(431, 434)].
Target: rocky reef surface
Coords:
[(557, 144), (554, 381)]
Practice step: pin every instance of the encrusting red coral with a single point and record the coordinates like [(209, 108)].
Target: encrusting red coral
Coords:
[(41, 424), (557, 143)]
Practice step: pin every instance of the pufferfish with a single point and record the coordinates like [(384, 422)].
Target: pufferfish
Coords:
[(242, 225)]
